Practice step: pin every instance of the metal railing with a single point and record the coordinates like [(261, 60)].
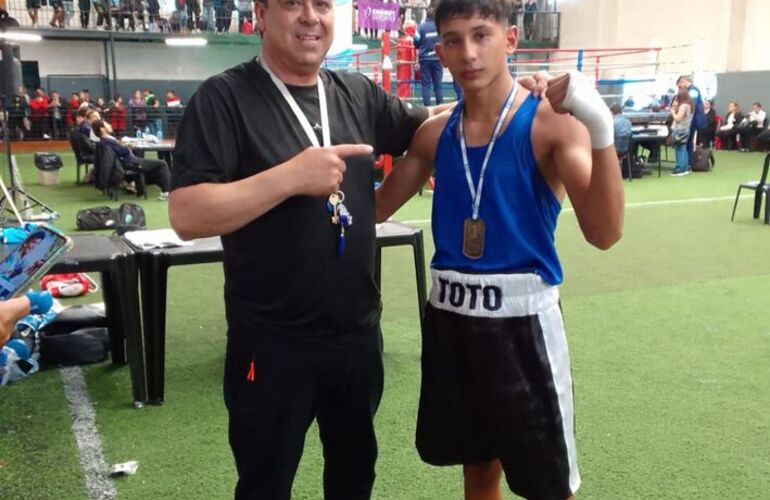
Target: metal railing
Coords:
[(26, 123), (133, 15)]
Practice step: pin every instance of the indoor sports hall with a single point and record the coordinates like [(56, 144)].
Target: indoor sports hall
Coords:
[(669, 341)]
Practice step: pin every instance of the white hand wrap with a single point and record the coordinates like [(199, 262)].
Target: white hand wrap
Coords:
[(587, 105)]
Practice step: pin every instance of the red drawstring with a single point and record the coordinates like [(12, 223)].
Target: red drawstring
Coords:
[(250, 375)]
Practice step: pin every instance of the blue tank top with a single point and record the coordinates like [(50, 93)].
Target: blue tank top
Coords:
[(517, 205)]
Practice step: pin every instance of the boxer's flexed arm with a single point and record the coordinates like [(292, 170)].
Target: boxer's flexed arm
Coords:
[(579, 154)]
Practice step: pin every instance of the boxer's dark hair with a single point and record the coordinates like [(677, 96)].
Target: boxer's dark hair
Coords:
[(499, 10)]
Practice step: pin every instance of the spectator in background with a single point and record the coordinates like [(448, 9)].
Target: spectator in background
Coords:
[(39, 115), (138, 106), (244, 13), (193, 15), (153, 15), (530, 8), (207, 16), (21, 91), (137, 10), (682, 113), (72, 108), (621, 124), (752, 126), (224, 15), (102, 8), (33, 7), (100, 105), (118, 115), (729, 129), (431, 69), (121, 10), (706, 134), (57, 112), (698, 121), (155, 171), (174, 112), (622, 133), (81, 120), (17, 114), (85, 97), (179, 17), (154, 120), (69, 11), (85, 12), (517, 9)]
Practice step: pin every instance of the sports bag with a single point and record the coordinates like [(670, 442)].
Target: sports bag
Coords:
[(86, 345), (102, 217)]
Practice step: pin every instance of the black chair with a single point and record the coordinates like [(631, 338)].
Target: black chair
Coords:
[(759, 187), (82, 150), (110, 173)]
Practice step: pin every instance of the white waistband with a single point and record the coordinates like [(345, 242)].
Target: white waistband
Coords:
[(491, 295)]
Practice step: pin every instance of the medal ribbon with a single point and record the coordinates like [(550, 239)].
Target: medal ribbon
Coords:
[(476, 191), (303, 121)]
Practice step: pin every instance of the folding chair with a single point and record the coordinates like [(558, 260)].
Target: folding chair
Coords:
[(81, 157), (759, 187)]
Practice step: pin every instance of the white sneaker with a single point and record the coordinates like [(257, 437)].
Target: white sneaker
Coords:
[(163, 197), (46, 136)]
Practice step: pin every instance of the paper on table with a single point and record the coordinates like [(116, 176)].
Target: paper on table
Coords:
[(155, 238)]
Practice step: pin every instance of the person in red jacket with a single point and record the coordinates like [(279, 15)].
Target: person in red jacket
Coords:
[(118, 115), (72, 108), (39, 115)]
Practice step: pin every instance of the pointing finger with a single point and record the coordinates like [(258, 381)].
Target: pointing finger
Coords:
[(345, 150)]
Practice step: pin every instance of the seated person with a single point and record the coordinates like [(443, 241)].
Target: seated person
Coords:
[(91, 116), (83, 130), (622, 134), (728, 131), (155, 171), (752, 126), (622, 129)]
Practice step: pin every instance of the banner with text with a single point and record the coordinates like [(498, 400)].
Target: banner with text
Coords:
[(378, 15)]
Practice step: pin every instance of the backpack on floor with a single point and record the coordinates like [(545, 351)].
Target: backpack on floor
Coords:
[(130, 218), (702, 160)]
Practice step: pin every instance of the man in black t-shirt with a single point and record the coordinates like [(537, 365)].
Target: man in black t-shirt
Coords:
[(259, 162)]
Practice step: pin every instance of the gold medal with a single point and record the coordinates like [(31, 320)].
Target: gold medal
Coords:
[(473, 238)]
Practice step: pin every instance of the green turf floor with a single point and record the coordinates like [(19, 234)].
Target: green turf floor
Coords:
[(669, 339)]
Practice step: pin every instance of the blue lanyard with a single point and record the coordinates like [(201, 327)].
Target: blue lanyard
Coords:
[(476, 191)]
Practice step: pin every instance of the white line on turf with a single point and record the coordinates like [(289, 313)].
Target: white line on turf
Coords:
[(632, 205), (90, 455)]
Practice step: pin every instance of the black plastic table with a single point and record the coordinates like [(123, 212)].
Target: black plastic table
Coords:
[(153, 271), (116, 262)]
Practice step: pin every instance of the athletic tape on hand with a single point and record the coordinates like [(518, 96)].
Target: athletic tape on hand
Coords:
[(587, 105)]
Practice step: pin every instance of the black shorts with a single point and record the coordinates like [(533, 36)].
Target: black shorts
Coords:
[(496, 381), (294, 380)]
